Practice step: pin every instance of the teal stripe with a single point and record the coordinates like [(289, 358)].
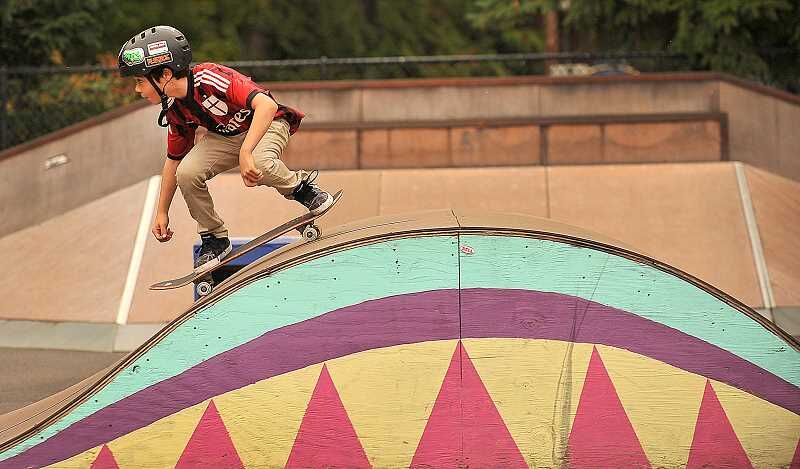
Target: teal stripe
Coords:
[(542, 265), (306, 291)]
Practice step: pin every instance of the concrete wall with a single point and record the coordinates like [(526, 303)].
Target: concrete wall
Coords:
[(104, 156), (763, 130), (487, 99), (520, 142)]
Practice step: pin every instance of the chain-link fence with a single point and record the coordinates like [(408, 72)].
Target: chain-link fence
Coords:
[(38, 100)]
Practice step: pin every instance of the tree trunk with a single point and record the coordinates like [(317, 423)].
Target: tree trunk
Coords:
[(551, 36)]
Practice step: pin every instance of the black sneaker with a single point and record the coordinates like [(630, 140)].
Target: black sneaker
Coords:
[(211, 252), (312, 197)]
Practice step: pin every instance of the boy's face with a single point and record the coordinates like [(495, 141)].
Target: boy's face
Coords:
[(146, 90)]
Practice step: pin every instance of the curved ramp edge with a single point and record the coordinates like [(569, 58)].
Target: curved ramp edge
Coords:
[(468, 288)]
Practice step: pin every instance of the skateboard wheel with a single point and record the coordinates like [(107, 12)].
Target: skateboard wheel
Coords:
[(204, 288), (311, 232)]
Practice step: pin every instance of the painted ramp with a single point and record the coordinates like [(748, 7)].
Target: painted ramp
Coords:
[(440, 340)]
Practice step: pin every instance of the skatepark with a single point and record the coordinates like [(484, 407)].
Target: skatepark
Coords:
[(604, 275)]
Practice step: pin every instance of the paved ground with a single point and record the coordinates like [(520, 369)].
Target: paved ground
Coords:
[(29, 375)]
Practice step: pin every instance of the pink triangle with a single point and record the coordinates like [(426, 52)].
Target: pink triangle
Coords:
[(602, 434), (326, 437), (714, 442), (465, 429), (796, 459), (210, 445), (105, 460)]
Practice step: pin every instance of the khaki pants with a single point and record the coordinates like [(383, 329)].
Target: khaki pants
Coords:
[(215, 154)]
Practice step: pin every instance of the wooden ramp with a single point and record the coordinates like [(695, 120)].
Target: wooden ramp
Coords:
[(441, 338)]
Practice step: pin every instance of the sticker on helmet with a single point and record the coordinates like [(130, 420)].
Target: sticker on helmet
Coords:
[(133, 56), (158, 59), (155, 48)]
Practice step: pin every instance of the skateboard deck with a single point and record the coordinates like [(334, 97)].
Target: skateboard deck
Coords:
[(310, 232)]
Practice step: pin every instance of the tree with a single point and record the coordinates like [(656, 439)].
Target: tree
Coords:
[(756, 39), (515, 24), (45, 32)]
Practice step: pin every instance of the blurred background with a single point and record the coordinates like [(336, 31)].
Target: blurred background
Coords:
[(670, 125), (55, 50)]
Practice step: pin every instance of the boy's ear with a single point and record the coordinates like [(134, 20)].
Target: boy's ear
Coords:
[(167, 74)]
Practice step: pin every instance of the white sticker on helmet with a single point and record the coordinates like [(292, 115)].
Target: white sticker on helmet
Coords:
[(157, 48)]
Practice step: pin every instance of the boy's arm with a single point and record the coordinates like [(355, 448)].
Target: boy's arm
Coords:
[(264, 109), (169, 183)]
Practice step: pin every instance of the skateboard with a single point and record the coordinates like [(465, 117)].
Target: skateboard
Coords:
[(203, 281)]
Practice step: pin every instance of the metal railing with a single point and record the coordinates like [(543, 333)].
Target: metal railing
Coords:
[(38, 100)]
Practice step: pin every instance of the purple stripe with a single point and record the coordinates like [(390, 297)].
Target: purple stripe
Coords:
[(406, 319), (539, 315)]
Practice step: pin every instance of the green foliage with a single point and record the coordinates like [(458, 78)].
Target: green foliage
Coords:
[(291, 29), (756, 39), (44, 32), (38, 104), (515, 24)]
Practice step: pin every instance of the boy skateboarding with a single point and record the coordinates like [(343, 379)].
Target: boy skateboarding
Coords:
[(246, 128)]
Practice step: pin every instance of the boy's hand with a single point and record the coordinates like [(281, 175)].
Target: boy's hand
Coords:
[(250, 174), (161, 228)]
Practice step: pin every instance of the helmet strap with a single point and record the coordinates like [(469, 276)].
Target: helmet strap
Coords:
[(162, 116)]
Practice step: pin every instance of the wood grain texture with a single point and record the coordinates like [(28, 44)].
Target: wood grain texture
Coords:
[(367, 339), (546, 266), (389, 394)]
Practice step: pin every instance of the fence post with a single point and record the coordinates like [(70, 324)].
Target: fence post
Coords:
[(4, 138), (323, 67)]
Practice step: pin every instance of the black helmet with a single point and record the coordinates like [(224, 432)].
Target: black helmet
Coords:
[(152, 48)]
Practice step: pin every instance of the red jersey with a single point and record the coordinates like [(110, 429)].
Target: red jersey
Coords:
[(219, 99)]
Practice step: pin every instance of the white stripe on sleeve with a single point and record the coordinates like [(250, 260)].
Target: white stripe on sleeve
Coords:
[(211, 83), (214, 76), (208, 79)]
